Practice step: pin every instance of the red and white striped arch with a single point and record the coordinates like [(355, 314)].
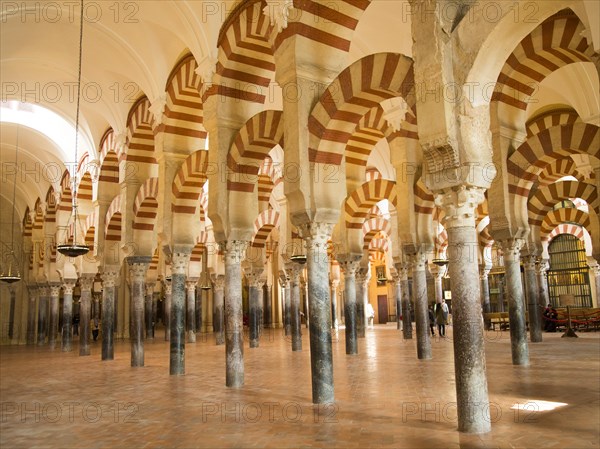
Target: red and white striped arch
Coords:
[(359, 202), (183, 114), (532, 157), (199, 247), (268, 179), (251, 146), (66, 197), (557, 42), (203, 205), (245, 56), (38, 222), (145, 206), (263, 225), (109, 158), (424, 202), (373, 227), (188, 183), (546, 197), (567, 228), (153, 266), (140, 133), (85, 190), (27, 223), (51, 206), (357, 89), (563, 216), (556, 117), (557, 170), (379, 244), (112, 231)]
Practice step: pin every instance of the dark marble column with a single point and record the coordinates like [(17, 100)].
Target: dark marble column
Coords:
[(33, 292), (398, 297), (287, 308), (361, 275), (267, 306), (419, 263), (85, 284), (304, 290), (67, 327), (350, 267), (316, 236), (485, 294), (254, 299), (334, 305), (198, 296), (155, 297), (472, 400), (138, 267), (535, 316), (406, 313), (42, 328), (190, 319), (296, 324), (500, 298), (167, 308), (53, 322), (179, 266), (11, 311), (219, 308), (540, 271), (516, 307), (234, 251), (109, 280), (148, 307)]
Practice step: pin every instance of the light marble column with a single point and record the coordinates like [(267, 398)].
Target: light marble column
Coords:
[(86, 281), (406, 312), (419, 263), (295, 323), (350, 267), (53, 322), (516, 301), (42, 328), (535, 316), (67, 327), (33, 292), (190, 321), (334, 304), (179, 265), (234, 251), (316, 236), (254, 299), (148, 307), (460, 207), (540, 270), (594, 274), (109, 280), (138, 267), (219, 306), (438, 274), (485, 294), (167, 308)]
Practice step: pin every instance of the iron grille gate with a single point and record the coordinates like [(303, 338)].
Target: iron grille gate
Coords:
[(569, 271)]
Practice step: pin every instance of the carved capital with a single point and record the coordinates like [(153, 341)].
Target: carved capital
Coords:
[(68, 286), (234, 250), (150, 288), (109, 279), (278, 12), (350, 267), (86, 282), (207, 67), (484, 271), (542, 266), (137, 272), (460, 205), (54, 290), (179, 263), (168, 287), (316, 235), (418, 261), (529, 262), (157, 108), (218, 282), (511, 249), (190, 285)]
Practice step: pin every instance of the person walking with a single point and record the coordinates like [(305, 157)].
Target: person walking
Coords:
[(441, 317), (432, 321)]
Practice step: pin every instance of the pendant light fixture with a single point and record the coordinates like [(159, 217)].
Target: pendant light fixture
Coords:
[(74, 249), (297, 256), (13, 274)]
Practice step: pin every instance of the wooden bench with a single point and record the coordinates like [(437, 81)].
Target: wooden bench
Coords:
[(591, 316), (501, 320)]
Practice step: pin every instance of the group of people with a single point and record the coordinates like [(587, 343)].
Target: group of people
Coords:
[(438, 316)]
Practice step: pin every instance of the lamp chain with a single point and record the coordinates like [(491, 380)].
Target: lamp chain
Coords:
[(77, 128)]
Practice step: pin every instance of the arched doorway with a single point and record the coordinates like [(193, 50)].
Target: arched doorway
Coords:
[(569, 271)]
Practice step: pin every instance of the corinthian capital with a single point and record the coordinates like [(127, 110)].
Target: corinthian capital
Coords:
[(278, 12), (459, 205)]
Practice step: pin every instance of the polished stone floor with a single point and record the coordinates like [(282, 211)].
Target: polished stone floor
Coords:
[(385, 397)]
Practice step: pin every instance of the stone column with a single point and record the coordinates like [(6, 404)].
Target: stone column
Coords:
[(53, 322), (485, 294), (595, 271), (148, 306), (190, 319), (350, 267), (419, 262), (109, 280), (535, 316), (334, 306), (85, 284), (96, 311), (234, 252), (138, 267), (516, 307), (67, 327), (361, 276), (316, 236), (406, 318), (179, 265), (304, 289), (460, 207), (11, 312), (167, 306), (198, 309), (295, 323), (540, 271), (155, 297), (287, 308), (219, 306), (42, 328), (500, 299), (254, 297), (32, 291), (398, 297), (438, 273), (267, 307)]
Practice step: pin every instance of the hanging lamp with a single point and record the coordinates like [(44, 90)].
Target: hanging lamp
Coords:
[(11, 277), (298, 257), (74, 249)]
